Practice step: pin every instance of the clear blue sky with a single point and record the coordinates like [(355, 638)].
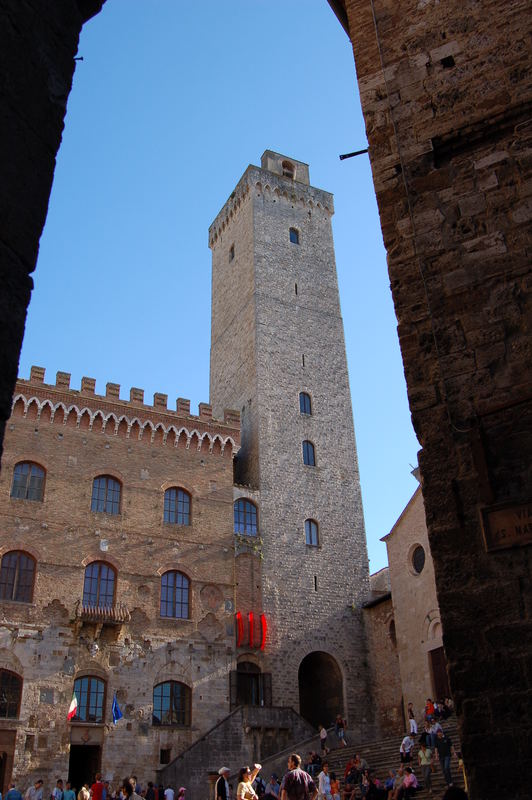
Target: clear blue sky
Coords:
[(171, 103)]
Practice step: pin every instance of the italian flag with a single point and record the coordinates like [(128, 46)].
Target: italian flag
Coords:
[(73, 707)]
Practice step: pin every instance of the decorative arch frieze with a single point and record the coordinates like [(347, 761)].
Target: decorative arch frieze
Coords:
[(122, 425)]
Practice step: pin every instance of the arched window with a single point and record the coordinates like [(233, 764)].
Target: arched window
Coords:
[(245, 517), (288, 169), (10, 694), (28, 481), (99, 585), (305, 406), (171, 704), (106, 495), (90, 694), (17, 575), (177, 507), (311, 532), (175, 595), (309, 457), (294, 235)]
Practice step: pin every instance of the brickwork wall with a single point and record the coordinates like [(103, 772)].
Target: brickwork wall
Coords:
[(446, 95), (285, 327), (46, 641), (415, 605), (38, 42), (386, 690)]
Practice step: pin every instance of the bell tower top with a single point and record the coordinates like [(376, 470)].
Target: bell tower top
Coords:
[(283, 165)]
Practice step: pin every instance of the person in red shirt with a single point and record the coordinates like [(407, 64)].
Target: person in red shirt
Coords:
[(97, 788), (429, 710)]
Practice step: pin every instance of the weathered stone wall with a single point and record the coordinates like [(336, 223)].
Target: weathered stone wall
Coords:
[(446, 95), (247, 735), (38, 42), (415, 605), (290, 339), (76, 435), (386, 691)]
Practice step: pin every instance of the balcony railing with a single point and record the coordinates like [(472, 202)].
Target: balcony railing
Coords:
[(116, 614)]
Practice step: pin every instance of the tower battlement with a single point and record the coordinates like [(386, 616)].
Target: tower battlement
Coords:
[(271, 179), (131, 419)]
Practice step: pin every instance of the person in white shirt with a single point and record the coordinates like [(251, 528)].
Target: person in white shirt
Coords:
[(324, 783), (406, 749), (168, 793)]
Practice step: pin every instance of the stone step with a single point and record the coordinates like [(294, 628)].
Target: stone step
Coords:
[(383, 755)]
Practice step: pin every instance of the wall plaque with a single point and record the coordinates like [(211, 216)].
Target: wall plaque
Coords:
[(507, 526)]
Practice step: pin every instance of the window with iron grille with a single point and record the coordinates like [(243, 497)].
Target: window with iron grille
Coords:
[(90, 694), (17, 574), (175, 595), (99, 585), (106, 495), (245, 517), (171, 704), (28, 481), (177, 507)]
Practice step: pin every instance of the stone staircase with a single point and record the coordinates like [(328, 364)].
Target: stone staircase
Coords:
[(383, 755)]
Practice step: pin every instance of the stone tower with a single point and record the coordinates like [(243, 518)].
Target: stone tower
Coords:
[(278, 354)]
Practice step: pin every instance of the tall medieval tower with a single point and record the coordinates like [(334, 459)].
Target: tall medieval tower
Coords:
[(278, 354)]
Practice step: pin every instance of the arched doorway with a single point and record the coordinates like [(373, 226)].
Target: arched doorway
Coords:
[(321, 691)]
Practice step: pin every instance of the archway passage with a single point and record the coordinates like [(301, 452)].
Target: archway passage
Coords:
[(321, 692)]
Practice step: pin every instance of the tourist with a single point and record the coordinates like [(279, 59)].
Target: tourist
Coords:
[(57, 791), (425, 762), (445, 749), (69, 793), (96, 790), (272, 787), (429, 709), (168, 793), (376, 789), (335, 787), (297, 784), (324, 783), (222, 787), (35, 791), (246, 776), (260, 787), (425, 737), (181, 793), (364, 783), (13, 793), (339, 729), (84, 792), (412, 718), (405, 750), (323, 740), (351, 782), (150, 791), (351, 763), (434, 730), (409, 786), (397, 784), (361, 763)]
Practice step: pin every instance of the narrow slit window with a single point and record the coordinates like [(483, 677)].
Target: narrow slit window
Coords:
[(315, 583), (309, 455), (295, 287), (231, 252)]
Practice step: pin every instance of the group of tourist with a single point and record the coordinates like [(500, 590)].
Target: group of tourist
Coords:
[(101, 789)]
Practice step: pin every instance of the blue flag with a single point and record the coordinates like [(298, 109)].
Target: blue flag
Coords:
[(117, 714)]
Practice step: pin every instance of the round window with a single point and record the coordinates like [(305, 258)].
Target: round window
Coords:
[(418, 559)]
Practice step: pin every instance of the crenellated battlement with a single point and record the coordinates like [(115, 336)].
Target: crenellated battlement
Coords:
[(261, 180), (131, 419)]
